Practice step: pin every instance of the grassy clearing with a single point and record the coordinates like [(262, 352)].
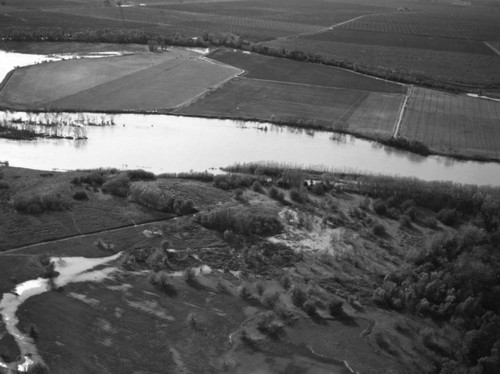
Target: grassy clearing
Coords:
[(285, 70), (139, 82), (453, 124)]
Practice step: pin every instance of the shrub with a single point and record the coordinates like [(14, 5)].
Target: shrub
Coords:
[(201, 176), (33, 333), (162, 280), (257, 187), (94, 178), (231, 181), (276, 194), (239, 222), (271, 300), (448, 216), (286, 281), (378, 229), (139, 174), (318, 189), (40, 202), (310, 308), (154, 197), (3, 185), (268, 324), (38, 368), (405, 221), (335, 308), (117, 185), (299, 195), (299, 296), (380, 207), (80, 195)]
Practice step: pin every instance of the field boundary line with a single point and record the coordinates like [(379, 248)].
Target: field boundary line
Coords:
[(493, 48), (7, 78), (329, 87), (401, 112)]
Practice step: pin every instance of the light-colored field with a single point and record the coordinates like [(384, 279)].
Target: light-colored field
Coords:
[(328, 107), (139, 82), (376, 116), (453, 124)]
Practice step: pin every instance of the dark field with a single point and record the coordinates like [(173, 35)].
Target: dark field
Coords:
[(467, 68), (343, 35), (312, 12), (250, 28), (454, 23), (277, 69)]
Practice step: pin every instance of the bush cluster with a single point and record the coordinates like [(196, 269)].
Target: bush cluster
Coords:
[(455, 279), (239, 222), (154, 197), (40, 202), (233, 181)]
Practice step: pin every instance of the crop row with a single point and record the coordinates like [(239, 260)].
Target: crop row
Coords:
[(431, 25), (453, 123)]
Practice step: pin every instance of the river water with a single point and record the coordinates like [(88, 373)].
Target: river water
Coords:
[(164, 143)]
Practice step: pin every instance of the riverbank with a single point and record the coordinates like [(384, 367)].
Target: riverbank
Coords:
[(368, 108), (253, 252)]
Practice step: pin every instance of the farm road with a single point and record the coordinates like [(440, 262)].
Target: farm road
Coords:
[(402, 111), (493, 48)]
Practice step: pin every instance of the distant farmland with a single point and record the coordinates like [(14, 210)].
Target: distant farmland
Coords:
[(441, 24), (137, 82), (453, 124), (467, 68)]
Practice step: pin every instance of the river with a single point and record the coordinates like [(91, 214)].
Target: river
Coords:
[(165, 143)]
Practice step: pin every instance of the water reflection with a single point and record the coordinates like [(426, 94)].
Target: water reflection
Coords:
[(162, 143)]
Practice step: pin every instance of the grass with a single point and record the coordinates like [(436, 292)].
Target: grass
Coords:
[(104, 84), (452, 124)]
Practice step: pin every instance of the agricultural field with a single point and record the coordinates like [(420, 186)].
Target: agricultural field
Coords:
[(466, 68), (250, 28), (35, 19), (312, 106), (148, 81), (312, 12), (453, 124), (278, 69), (376, 116), (452, 24), (342, 35)]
